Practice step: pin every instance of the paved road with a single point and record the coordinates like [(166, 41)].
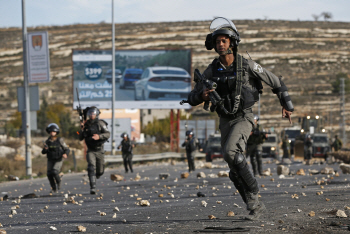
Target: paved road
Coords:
[(179, 210)]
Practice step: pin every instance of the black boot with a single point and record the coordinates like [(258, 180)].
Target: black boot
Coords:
[(252, 200), (58, 181), (52, 183), (254, 166), (256, 213), (92, 179)]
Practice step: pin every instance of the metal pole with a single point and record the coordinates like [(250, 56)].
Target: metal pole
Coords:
[(26, 95), (113, 77), (343, 110)]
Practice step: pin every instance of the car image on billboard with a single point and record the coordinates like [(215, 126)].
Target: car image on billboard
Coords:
[(129, 77), (163, 83)]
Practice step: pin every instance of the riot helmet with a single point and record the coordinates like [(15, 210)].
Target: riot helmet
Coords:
[(222, 26), (256, 117), (52, 127), (93, 112), (189, 132), (124, 134)]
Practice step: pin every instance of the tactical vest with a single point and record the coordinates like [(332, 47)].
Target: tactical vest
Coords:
[(227, 88), (91, 128), (126, 146), (257, 137), (55, 150)]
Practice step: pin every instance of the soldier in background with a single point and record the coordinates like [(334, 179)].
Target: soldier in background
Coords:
[(95, 133), (337, 144), (126, 145), (191, 146), (56, 149), (254, 146), (285, 148), (308, 145)]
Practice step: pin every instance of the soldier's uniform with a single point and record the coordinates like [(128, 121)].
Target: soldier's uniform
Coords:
[(238, 85), (95, 152), (126, 146), (54, 148), (308, 145), (191, 146), (254, 148), (337, 144), (286, 147)]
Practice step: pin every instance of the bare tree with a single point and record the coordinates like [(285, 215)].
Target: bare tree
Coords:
[(326, 15), (315, 17)]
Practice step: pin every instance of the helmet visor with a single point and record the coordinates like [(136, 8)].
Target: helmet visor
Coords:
[(53, 126), (221, 22), (92, 113)]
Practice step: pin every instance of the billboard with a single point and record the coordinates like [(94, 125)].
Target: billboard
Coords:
[(38, 57), (145, 79)]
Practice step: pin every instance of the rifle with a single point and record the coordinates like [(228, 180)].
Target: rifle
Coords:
[(215, 99), (79, 110)]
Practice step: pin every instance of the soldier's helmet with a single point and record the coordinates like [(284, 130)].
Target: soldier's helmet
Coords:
[(189, 132), (222, 26), (124, 134), (256, 117), (52, 127), (93, 111)]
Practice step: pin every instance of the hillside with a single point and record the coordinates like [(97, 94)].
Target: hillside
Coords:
[(307, 54)]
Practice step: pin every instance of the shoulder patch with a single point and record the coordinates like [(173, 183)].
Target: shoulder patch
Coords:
[(257, 68)]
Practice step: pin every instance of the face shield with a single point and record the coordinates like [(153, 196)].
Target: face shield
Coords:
[(92, 113), (221, 22), (53, 125)]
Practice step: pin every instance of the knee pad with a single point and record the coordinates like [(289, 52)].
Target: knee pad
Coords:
[(55, 172), (238, 159)]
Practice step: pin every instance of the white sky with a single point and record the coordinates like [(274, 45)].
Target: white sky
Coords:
[(64, 12)]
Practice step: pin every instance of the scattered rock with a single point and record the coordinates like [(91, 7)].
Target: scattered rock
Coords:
[(116, 209), (200, 194), (341, 214), (223, 174), (301, 172), (267, 172), (204, 203), (345, 168), (314, 171), (208, 165), (2, 231), (211, 217), (201, 175), (138, 177), (53, 228), (114, 215), (327, 171), (282, 170), (184, 175), (116, 177), (230, 214), (311, 214), (163, 176), (81, 229), (144, 203), (103, 214)]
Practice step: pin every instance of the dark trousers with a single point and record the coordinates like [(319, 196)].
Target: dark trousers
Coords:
[(127, 159), (53, 170), (190, 160)]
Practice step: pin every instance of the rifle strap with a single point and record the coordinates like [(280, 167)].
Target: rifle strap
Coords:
[(238, 84)]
